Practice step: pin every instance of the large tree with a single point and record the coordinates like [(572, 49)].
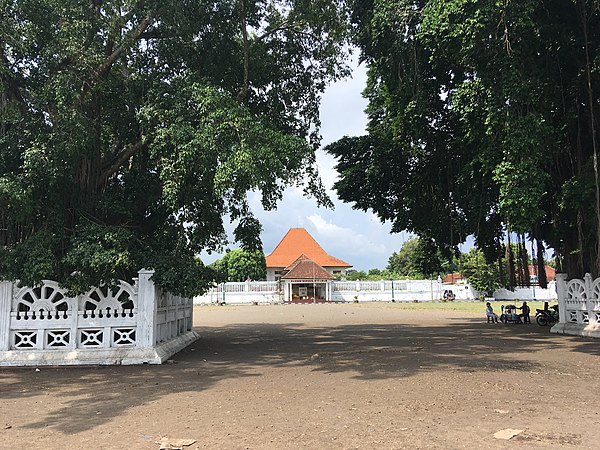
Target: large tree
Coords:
[(483, 121), (481, 275), (241, 265), (418, 259), (129, 128)]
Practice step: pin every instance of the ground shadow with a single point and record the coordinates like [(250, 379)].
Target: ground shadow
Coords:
[(94, 395)]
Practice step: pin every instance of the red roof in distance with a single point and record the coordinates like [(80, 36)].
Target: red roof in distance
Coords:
[(306, 269), (296, 242), (453, 277), (550, 272)]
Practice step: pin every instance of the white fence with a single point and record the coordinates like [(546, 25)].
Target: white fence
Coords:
[(579, 306), (121, 324), (398, 291), (247, 292), (528, 293), (264, 292)]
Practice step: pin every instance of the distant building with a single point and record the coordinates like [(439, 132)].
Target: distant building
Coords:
[(306, 281), (298, 242), (533, 274), (454, 278)]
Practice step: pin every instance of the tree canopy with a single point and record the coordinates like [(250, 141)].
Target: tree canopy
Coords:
[(418, 259), (482, 121), (482, 276), (130, 128), (240, 265)]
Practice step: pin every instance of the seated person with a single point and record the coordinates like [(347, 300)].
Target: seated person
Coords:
[(525, 313), (489, 312)]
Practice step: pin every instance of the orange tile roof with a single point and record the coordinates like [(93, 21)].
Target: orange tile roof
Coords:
[(306, 269), (453, 277), (297, 261), (550, 272), (296, 242)]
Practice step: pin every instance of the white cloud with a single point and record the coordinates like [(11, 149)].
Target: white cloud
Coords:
[(326, 164), (343, 240), (342, 106)]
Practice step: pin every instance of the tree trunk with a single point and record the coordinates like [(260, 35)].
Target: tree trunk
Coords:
[(510, 261), (524, 261), (541, 266)]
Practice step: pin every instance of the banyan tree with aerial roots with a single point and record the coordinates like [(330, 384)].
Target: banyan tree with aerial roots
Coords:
[(129, 129), (483, 121)]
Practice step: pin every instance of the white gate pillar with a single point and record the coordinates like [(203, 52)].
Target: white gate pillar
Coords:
[(561, 290), (6, 297), (146, 305), (589, 301)]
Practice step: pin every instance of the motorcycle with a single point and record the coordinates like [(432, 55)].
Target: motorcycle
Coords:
[(545, 317)]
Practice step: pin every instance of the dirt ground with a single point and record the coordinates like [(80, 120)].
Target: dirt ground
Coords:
[(322, 376)]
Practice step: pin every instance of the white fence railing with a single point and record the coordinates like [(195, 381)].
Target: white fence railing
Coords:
[(121, 324), (341, 291), (528, 293), (579, 306), (264, 292)]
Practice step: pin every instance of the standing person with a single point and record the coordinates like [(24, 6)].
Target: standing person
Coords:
[(489, 312), (525, 313)]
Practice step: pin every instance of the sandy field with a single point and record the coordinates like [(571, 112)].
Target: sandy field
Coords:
[(356, 376)]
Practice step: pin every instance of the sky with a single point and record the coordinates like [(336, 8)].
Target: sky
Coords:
[(356, 237)]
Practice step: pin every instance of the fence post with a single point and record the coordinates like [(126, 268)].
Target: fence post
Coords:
[(146, 306), (561, 290), (6, 294), (589, 301)]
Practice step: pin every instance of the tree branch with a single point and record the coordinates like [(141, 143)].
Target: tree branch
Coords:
[(126, 154), (283, 26), (243, 25), (105, 67), (152, 34)]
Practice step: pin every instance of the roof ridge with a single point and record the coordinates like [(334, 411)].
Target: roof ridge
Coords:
[(303, 269)]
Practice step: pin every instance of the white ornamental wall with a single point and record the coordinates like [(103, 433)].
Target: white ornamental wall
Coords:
[(121, 324), (579, 306)]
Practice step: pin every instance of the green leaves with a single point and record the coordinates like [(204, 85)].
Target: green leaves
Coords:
[(241, 265), (98, 254), (482, 275), (418, 259), (125, 140), (480, 116)]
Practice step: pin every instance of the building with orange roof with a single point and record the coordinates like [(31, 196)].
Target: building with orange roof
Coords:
[(533, 273), (295, 243), (306, 281), (454, 278)]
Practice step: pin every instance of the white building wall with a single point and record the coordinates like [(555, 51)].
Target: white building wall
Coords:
[(274, 273)]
